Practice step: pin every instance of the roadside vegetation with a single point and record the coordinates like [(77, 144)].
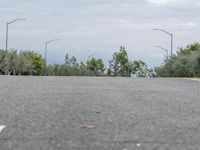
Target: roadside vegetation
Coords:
[(23, 63), (32, 63), (186, 63)]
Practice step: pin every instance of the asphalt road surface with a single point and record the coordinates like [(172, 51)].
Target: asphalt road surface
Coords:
[(89, 113)]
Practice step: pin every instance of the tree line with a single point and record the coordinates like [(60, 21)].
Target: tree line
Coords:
[(23, 63), (185, 63), (32, 63)]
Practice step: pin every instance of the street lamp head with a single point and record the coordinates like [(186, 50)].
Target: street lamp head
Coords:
[(23, 19), (160, 48), (52, 41), (93, 54), (156, 46), (163, 31), (16, 20)]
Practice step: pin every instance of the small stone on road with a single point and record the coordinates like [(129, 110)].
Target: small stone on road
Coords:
[(2, 127)]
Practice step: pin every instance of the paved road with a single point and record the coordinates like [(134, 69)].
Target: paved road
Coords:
[(88, 113)]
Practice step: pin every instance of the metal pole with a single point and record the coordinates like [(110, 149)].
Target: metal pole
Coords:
[(7, 37), (171, 38), (171, 45), (45, 69), (7, 24), (46, 44)]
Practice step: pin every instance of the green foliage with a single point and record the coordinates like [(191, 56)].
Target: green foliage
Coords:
[(139, 68), (32, 63), (70, 61), (195, 47), (185, 64), (2, 61), (96, 65), (36, 60), (119, 65), (71, 67), (24, 63), (67, 70)]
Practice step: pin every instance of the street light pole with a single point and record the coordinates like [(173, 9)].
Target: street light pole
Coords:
[(171, 35), (7, 37), (45, 58), (7, 25), (46, 44), (171, 44), (162, 49)]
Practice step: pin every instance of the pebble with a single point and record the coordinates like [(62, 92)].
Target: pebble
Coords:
[(138, 145), (2, 127)]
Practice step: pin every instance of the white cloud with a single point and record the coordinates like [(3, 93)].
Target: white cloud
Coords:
[(188, 24), (160, 2)]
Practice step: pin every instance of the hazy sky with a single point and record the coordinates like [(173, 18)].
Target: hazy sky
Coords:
[(100, 26)]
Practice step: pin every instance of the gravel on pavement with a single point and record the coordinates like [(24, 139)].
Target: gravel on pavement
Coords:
[(97, 113)]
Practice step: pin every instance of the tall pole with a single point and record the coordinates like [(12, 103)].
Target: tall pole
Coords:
[(45, 71), (7, 37), (171, 38), (46, 44), (7, 25), (171, 45)]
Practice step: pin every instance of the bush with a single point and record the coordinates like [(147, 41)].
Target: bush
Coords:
[(186, 63)]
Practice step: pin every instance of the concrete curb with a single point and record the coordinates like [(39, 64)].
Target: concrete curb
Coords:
[(194, 79)]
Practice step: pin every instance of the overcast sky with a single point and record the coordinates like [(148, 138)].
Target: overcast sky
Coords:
[(85, 27)]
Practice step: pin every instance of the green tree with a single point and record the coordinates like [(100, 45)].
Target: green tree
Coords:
[(2, 61), (186, 63), (119, 64), (11, 63), (37, 62), (139, 68), (25, 65), (71, 61), (67, 61), (96, 65)]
